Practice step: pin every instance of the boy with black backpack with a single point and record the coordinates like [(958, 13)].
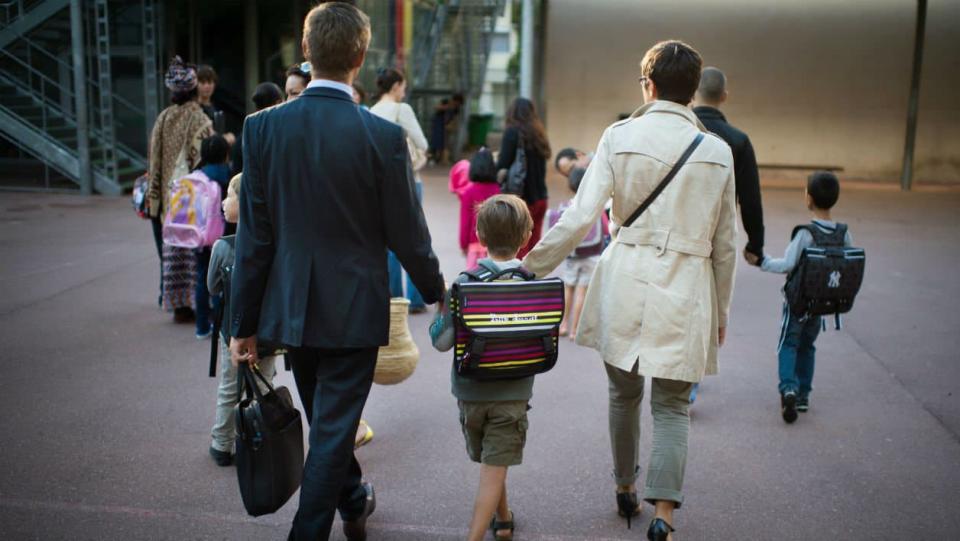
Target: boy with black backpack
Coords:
[(824, 275), (224, 432)]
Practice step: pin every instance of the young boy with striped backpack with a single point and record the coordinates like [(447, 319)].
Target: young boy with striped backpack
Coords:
[(503, 326)]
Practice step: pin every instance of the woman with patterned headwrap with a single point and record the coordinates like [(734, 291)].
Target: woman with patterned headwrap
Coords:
[(174, 152)]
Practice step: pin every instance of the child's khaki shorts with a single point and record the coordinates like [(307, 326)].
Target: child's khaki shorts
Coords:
[(495, 431)]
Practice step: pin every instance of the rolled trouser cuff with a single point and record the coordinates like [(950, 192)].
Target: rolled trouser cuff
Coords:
[(652, 495), (626, 480)]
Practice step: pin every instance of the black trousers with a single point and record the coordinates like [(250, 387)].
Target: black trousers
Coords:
[(157, 225), (333, 386)]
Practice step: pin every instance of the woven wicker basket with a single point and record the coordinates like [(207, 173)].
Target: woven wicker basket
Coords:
[(398, 359)]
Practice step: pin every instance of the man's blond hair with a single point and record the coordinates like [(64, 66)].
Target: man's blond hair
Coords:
[(336, 35)]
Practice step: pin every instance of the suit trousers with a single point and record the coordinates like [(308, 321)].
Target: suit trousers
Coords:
[(670, 405), (333, 386)]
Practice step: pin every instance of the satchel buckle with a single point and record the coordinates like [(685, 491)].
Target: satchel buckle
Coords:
[(662, 245)]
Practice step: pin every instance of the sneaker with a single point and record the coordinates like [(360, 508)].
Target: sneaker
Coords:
[(788, 406), (222, 458), (803, 404), (204, 335)]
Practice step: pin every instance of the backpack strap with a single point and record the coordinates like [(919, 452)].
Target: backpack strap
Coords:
[(835, 238)]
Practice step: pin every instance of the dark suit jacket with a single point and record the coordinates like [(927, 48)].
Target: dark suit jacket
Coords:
[(327, 189), (745, 170)]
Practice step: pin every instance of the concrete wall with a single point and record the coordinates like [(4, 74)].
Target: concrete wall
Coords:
[(813, 82)]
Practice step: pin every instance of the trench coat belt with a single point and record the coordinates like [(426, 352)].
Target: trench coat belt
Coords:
[(664, 240)]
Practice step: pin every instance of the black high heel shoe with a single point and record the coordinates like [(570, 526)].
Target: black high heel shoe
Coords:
[(659, 530), (627, 505)]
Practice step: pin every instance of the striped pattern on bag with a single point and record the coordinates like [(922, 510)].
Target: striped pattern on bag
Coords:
[(506, 328)]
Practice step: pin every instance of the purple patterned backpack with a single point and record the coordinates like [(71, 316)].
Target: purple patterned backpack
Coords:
[(193, 218)]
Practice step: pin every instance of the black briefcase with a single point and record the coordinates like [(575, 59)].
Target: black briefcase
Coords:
[(269, 444)]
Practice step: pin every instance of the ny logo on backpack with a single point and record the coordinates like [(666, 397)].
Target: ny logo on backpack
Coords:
[(505, 328), (193, 218), (828, 276)]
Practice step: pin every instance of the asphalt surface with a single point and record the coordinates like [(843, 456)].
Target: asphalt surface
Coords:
[(105, 407)]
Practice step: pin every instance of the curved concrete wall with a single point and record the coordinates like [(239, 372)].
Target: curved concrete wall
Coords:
[(813, 82)]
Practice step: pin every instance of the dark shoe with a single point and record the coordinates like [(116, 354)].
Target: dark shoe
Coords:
[(659, 530), (803, 404), (222, 458), (356, 530), (497, 525), (183, 315), (788, 406), (627, 505)]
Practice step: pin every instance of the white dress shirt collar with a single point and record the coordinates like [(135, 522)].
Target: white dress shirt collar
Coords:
[(327, 83)]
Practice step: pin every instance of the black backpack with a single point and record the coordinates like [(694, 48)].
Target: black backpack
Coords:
[(221, 315), (827, 277)]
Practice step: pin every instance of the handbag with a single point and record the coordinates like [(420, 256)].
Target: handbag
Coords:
[(516, 177), (666, 180), (269, 444), (418, 158)]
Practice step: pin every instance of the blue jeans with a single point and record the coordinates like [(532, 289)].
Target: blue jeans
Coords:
[(395, 271), (796, 352)]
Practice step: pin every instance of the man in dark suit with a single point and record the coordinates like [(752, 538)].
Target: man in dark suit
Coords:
[(327, 189), (711, 94)]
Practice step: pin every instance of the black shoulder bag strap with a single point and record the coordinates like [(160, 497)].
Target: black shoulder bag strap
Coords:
[(666, 180)]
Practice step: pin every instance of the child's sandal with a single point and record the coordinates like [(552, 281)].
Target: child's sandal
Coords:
[(497, 525)]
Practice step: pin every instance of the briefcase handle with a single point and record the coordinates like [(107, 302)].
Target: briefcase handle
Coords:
[(248, 378)]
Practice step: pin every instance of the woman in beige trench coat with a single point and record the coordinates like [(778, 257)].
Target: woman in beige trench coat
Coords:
[(658, 302)]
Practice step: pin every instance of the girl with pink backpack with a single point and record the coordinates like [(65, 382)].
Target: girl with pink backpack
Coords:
[(194, 220)]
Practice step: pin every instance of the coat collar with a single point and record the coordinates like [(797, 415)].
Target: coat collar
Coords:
[(669, 107), (706, 111), (325, 92)]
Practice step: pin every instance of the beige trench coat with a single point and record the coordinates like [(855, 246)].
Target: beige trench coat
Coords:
[(663, 287)]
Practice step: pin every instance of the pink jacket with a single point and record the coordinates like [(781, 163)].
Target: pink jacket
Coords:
[(472, 195)]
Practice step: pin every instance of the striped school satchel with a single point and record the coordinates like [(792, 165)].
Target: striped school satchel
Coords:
[(507, 324)]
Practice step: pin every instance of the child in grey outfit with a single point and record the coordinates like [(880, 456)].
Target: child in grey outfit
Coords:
[(224, 430)]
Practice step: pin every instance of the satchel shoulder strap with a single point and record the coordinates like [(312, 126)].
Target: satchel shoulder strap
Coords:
[(666, 180)]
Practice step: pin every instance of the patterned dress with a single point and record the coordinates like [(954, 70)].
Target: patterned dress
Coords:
[(174, 152)]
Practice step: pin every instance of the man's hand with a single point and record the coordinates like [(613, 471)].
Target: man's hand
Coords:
[(722, 335), (751, 258), (243, 350)]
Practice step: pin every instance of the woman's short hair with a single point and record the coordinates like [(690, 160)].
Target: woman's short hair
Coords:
[(503, 222), (675, 68), (336, 35), (267, 95), (206, 74), (386, 78)]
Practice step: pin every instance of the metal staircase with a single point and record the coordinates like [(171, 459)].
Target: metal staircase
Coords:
[(453, 58), (38, 103)]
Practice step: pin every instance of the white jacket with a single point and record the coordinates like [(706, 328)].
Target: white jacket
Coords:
[(663, 287)]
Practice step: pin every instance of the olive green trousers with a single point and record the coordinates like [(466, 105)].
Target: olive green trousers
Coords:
[(670, 405)]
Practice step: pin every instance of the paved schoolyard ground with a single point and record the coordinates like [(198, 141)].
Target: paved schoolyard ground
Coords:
[(105, 407)]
